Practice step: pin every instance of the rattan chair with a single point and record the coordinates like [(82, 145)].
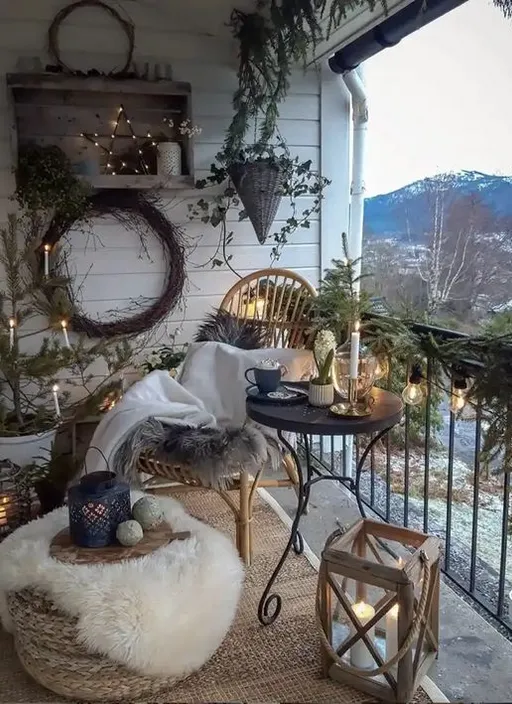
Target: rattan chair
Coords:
[(282, 301)]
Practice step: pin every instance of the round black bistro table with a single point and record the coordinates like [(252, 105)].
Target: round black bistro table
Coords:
[(303, 419)]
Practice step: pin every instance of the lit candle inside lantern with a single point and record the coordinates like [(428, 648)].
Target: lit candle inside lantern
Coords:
[(4, 501), (64, 325), (55, 392), (392, 632), (360, 656), (47, 249), (355, 339), (12, 325)]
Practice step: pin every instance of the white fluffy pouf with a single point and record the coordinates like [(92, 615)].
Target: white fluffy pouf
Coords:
[(164, 614)]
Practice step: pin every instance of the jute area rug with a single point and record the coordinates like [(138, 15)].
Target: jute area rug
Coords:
[(277, 663)]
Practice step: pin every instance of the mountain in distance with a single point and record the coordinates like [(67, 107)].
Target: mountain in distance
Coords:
[(383, 214)]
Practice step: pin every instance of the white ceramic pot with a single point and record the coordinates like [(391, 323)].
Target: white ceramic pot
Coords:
[(169, 159), (24, 449), (321, 395)]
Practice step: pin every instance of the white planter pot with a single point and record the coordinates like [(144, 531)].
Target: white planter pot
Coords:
[(169, 159), (25, 449), (321, 395)]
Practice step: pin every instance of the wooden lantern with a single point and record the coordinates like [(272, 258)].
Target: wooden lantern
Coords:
[(378, 613)]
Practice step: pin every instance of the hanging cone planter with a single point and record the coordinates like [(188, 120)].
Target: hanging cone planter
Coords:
[(259, 185)]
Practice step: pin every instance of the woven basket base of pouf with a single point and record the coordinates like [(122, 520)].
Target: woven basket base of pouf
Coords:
[(48, 649)]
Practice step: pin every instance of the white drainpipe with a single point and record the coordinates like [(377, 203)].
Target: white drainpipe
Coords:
[(355, 86)]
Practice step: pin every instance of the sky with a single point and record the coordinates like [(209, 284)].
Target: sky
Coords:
[(441, 100)]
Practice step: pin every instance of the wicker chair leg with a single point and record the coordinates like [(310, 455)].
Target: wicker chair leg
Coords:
[(244, 522)]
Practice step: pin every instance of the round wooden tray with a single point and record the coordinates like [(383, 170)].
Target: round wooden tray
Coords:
[(63, 550)]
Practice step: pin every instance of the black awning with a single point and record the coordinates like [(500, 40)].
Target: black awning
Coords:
[(390, 31)]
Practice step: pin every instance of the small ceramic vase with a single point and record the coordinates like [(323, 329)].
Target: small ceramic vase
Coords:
[(321, 395)]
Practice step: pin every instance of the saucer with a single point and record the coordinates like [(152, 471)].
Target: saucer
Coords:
[(281, 395)]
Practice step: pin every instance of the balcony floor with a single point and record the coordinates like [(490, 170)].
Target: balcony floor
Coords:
[(474, 659)]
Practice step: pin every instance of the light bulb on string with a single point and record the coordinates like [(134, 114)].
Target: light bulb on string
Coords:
[(413, 393), (458, 394)]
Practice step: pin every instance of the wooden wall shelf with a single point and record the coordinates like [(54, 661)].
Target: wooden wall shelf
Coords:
[(59, 109)]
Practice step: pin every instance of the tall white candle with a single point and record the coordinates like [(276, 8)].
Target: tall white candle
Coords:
[(12, 325), (392, 632), (355, 339), (47, 249), (64, 324), (55, 392), (360, 656)]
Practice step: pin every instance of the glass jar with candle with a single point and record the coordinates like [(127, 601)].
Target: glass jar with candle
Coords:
[(366, 370)]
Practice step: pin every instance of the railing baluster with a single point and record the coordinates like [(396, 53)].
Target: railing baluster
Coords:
[(428, 413), (388, 478), (407, 428), (333, 464), (476, 498), (449, 492), (372, 476), (504, 542)]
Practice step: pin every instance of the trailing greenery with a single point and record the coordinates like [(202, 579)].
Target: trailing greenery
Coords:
[(300, 180)]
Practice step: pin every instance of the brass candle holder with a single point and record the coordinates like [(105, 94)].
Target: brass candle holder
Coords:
[(352, 407)]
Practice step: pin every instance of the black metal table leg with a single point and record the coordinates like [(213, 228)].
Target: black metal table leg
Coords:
[(359, 469), (265, 615)]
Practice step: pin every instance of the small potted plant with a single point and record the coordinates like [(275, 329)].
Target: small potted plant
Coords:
[(321, 389)]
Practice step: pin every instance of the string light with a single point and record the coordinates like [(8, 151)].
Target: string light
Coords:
[(413, 393), (110, 149), (458, 393)]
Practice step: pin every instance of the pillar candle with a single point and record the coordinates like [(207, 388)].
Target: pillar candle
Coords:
[(360, 656), (12, 325), (47, 249), (64, 325), (392, 632), (354, 352), (55, 391)]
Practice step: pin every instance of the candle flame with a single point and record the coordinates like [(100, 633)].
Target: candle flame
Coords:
[(12, 323), (357, 325), (55, 388), (64, 324), (47, 247), (5, 499)]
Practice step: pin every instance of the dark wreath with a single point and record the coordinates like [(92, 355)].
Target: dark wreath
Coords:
[(53, 32), (133, 210)]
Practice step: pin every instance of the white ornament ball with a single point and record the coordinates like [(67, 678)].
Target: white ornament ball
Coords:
[(147, 512), (129, 533)]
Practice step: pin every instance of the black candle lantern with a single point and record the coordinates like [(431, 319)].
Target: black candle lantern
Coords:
[(97, 505)]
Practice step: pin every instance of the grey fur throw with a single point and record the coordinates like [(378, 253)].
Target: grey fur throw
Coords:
[(214, 455), (221, 326)]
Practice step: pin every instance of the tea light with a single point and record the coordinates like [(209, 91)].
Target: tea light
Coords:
[(392, 632), (47, 249), (55, 391), (360, 656), (12, 325), (355, 340), (64, 325)]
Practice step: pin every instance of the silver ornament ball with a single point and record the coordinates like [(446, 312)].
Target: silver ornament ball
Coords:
[(147, 512), (129, 533)]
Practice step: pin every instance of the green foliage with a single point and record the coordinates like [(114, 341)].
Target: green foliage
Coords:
[(166, 357), (299, 180), (324, 370), (45, 182), (273, 40)]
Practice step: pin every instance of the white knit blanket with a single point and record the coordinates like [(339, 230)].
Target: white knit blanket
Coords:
[(164, 614), (210, 391)]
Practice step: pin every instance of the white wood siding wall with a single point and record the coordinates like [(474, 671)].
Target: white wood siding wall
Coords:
[(116, 271)]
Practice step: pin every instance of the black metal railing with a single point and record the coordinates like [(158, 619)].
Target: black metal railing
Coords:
[(439, 484)]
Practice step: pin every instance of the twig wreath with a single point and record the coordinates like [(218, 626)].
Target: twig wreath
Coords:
[(53, 32), (139, 212)]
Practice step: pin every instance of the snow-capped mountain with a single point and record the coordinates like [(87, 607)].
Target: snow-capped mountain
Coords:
[(384, 214)]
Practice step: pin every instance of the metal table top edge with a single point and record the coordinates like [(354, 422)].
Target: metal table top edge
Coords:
[(305, 419)]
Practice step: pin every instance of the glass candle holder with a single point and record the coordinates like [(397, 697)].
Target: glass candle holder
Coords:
[(366, 370)]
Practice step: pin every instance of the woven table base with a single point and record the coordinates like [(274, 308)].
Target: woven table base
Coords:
[(254, 663)]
